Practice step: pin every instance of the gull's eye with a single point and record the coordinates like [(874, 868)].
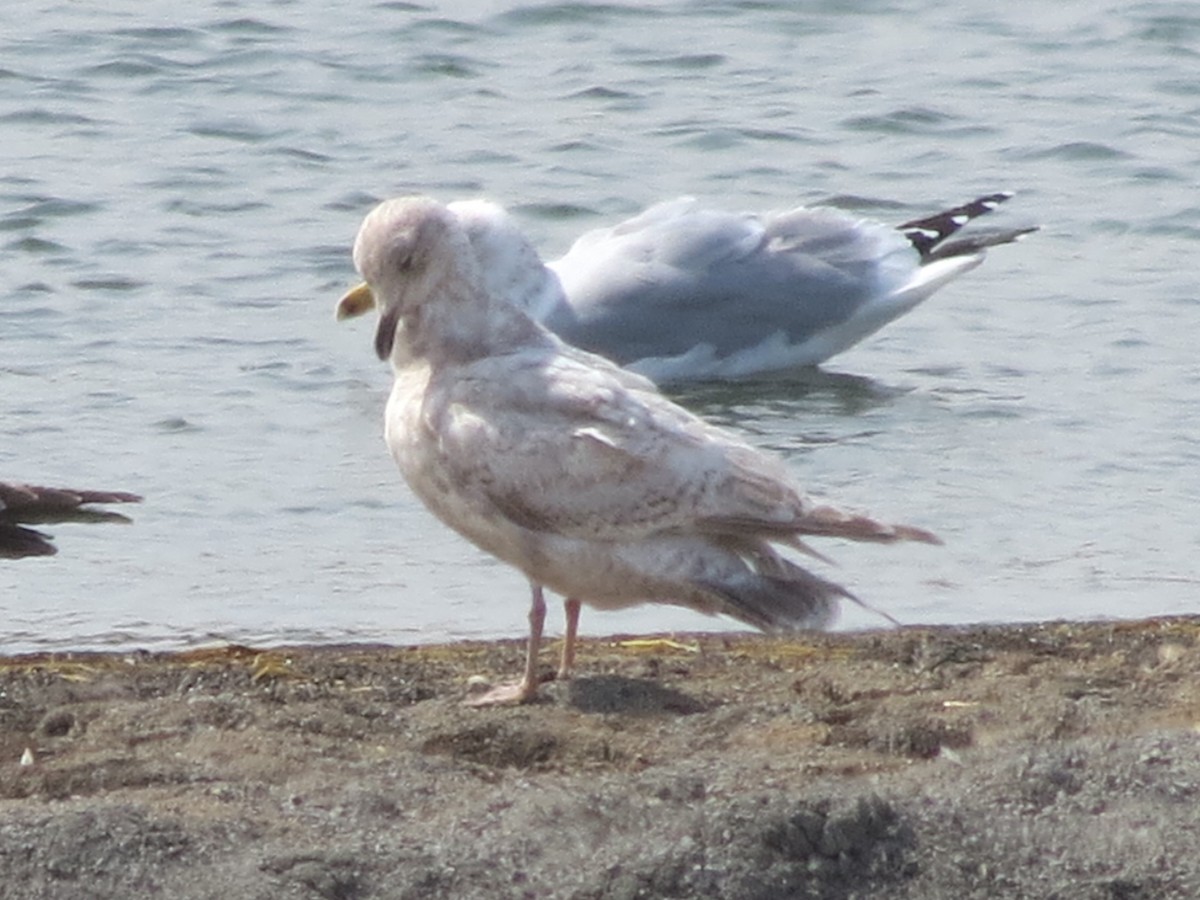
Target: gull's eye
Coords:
[(408, 259), (400, 253)]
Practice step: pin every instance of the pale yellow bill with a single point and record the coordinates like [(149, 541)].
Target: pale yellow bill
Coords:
[(355, 302)]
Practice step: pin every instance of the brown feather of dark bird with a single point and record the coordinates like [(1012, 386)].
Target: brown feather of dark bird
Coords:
[(23, 504)]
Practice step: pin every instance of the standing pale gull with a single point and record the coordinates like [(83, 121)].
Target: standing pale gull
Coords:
[(681, 292), (578, 473)]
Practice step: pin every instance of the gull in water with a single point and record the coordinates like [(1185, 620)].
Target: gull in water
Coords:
[(24, 504), (577, 472), (681, 292)]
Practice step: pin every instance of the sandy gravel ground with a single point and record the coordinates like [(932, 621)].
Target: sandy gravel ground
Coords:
[(1048, 761)]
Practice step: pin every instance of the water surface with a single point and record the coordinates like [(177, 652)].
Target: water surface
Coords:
[(180, 185)]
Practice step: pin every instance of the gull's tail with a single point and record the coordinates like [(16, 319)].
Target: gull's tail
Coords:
[(789, 599), (794, 600), (930, 235)]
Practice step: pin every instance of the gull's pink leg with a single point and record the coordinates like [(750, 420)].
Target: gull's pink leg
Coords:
[(571, 607), (526, 689), (537, 618)]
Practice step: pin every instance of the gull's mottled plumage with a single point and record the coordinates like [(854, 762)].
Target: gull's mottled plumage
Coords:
[(684, 292), (573, 470)]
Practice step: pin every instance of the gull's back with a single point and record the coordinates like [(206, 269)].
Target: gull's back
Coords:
[(734, 294)]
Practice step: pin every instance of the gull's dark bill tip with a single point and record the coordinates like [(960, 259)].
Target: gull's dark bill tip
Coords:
[(385, 336)]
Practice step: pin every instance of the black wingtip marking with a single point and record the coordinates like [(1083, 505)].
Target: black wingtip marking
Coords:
[(925, 234)]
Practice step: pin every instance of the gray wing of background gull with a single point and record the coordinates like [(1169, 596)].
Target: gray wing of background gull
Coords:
[(26, 504), (681, 292)]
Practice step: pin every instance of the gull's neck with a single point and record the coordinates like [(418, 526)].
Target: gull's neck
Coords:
[(510, 265), (464, 323)]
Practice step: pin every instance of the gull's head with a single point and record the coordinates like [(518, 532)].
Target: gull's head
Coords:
[(510, 264), (406, 249)]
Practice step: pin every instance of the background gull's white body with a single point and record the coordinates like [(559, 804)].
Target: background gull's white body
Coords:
[(683, 292)]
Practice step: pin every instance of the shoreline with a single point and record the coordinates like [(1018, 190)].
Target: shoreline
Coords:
[(1044, 759)]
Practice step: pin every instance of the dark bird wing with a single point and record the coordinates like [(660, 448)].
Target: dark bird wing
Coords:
[(23, 504)]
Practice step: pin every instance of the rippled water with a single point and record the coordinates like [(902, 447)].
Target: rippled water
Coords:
[(180, 184)]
